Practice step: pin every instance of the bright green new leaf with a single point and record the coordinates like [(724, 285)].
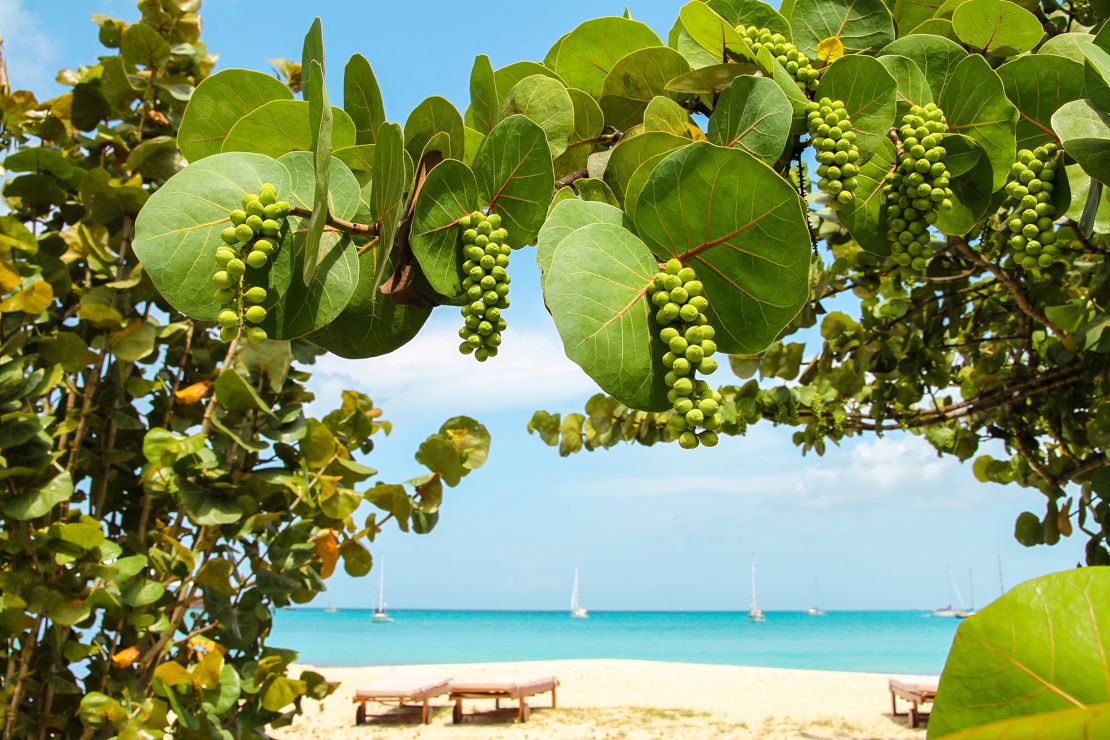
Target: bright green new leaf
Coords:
[(744, 231), (1057, 663), (752, 114), (596, 288), (869, 94), (663, 114), (320, 122), (432, 116), (281, 693), (861, 25), (567, 217), (515, 177), (713, 33), (997, 27), (362, 99), (505, 79), (37, 501), (218, 102), (485, 105), (585, 56), (438, 455), (282, 126), (547, 103), (637, 78), (449, 192), (1085, 133)]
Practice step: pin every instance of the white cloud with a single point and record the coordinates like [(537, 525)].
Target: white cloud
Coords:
[(31, 54), (429, 373)]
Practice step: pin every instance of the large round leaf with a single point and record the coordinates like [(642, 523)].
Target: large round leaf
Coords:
[(909, 15), (1085, 133), (752, 114), (865, 216), (969, 169), (448, 193), (713, 33), (546, 102), (596, 289), (663, 114), (505, 79), (218, 102), (861, 25), (912, 87), (1077, 722), (569, 216), (635, 79), (799, 103), (585, 55), (371, 324), (306, 308), (1068, 45), (630, 153), (710, 80), (975, 104), (742, 227), (869, 94), (936, 56), (751, 13), (432, 116), (515, 177), (1038, 85), (283, 126), (1059, 662), (177, 232), (589, 122), (997, 27)]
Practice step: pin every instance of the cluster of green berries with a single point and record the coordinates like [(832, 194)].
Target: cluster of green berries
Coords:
[(678, 295), (918, 190), (249, 243), (830, 132), (486, 282), (1084, 12), (1031, 240), (796, 63)]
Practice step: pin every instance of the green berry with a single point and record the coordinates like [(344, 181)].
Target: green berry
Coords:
[(238, 216), (222, 279), (244, 233), (255, 314), (228, 318), (257, 294), (257, 335), (230, 235), (256, 259), (228, 333), (235, 268)]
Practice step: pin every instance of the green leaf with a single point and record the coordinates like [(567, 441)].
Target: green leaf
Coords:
[(235, 394), (1097, 75), (975, 104), (679, 38), (506, 78), (470, 438), (751, 13), (206, 508), (1085, 133), (909, 15), (135, 341), (592, 189), (387, 194), (143, 46), (438, 455), (306, 308), (432, 116), (869, 94), (357, 560), (320, 120), (589, 122), (312, 50), (744, 231), (969, 169), (711, 80), (142, 592), (359, 158), (596, 287), (449, 192), (36, 502), (515, 177), (547, 103), (632, 152), (567, 217), (1038, 85), (585, 56), (282, 126), (362, 99), (281, 692), (485, 104), (865, 216), (1086, 721), (861, 25), (218, 102), (798, 101), (1066, 45), (912, 87), (996, 27), (752, 114), (936, 57), (1058, 662), (663, 114), (713, 33), (637, 78), (178, 231)]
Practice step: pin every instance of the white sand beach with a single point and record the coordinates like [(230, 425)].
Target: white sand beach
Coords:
[(626, 699)]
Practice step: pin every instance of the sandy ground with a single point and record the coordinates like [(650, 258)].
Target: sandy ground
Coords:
[(625, 699)]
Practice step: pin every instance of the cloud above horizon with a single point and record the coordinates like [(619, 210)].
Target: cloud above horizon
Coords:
[(29, 51)]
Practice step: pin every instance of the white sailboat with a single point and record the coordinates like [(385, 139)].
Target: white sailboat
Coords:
[(949, 610), (576, 610), (965, 613), (819, 610), (380, 615), (755, 614)]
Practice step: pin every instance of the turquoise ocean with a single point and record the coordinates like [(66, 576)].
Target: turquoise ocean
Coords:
[(879, 641)]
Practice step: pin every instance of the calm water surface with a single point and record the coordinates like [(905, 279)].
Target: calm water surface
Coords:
[(897, 642)]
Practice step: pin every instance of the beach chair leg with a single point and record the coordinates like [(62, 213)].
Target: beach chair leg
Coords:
[(893, 704), (424, 718), (913, 715), (524, 711), (553, 697), (360, 714), (496, 703), (456, 713)]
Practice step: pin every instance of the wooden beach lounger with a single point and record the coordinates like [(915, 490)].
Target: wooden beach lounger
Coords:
[(518, 689), (916, 692), (401, 691)]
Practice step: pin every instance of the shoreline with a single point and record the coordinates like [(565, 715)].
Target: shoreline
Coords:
[(603, 698)]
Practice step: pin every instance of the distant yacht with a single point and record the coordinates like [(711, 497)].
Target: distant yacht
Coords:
[(576, 610), (755, 614), (965, 613), (330, 609), (380, 614), (950, 611), (819, 610)]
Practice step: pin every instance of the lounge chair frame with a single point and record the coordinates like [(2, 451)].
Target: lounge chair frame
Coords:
[(399, 698), (916, 695), (498, 691)]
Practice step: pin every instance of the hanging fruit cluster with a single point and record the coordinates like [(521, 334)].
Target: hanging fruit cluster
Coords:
[(249, 244), (678, 295), (486, 283), (796, 63), (830, 131), (1030, 220), (918, 190)]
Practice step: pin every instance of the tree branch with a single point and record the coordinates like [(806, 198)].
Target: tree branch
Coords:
[(339, 224), (1019, 295)]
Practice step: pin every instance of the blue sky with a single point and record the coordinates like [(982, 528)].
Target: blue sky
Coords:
[(876, 521)]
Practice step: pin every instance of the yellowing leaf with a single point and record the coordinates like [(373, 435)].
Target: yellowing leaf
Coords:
[(172, 674), (693, 132), (206, 673), (33, 300), (327, 549), (830, 49), (193, 393), (126, 657), (9, 277)]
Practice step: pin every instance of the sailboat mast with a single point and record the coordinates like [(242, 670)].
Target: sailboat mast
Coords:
[(574, 593), (381, 588), (755, 603), (1001, 583)]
